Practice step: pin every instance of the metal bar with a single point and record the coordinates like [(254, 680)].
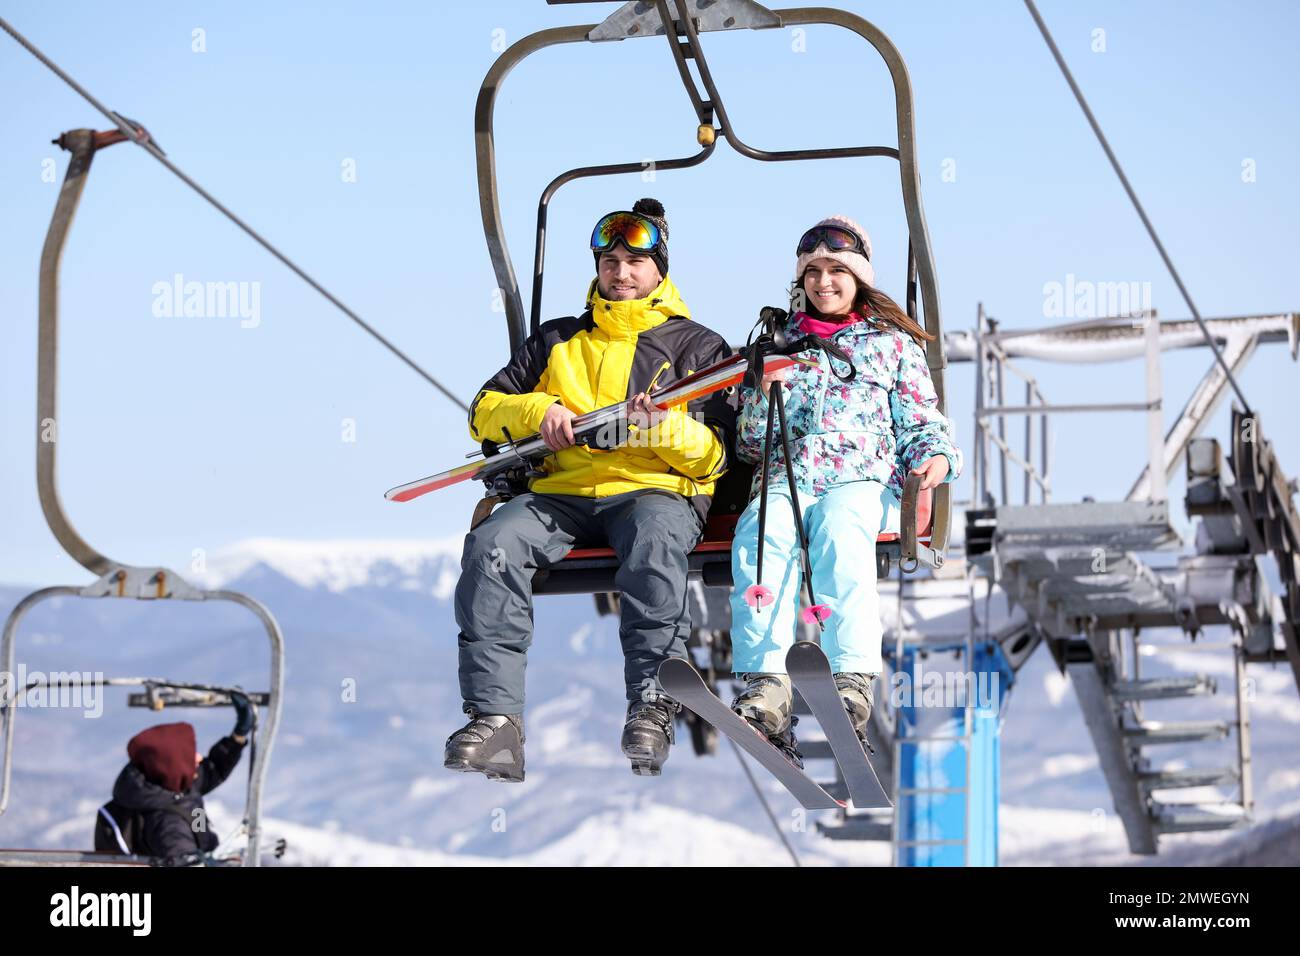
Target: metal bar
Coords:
[(8, 707), (1117, 342), (489, 197), (911, 283), (1029, 442), (1007, 453), (1024, 376), (1197, 412), (77, 858), (1041, 472), (81, 144), (1136, 674), (485, 163), (1002, 436), (543, 205), (991, 410), (1246, 792), (1090, 682), (1105, 322), (672, 33), (808, 15), (1155, 425), (261, 759), (1043, 444)]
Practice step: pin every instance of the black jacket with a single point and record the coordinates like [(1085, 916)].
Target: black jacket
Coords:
[(570, 359), (170, 826)]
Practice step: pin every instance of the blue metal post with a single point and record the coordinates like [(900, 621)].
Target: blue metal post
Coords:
[(947, 811)]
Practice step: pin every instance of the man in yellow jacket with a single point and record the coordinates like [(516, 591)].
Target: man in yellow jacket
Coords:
[(647, 499)]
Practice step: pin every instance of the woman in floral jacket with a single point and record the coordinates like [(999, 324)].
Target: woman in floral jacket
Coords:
[(852, 443)]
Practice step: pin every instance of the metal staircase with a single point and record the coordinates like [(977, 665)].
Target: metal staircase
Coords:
[(1105, 671), (1091, 574)]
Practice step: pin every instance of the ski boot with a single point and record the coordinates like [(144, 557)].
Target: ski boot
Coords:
[(855, 692), (648, 733), (490, 744), (766, 703)]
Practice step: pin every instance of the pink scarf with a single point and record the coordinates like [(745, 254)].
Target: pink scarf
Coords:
[(823, 327)]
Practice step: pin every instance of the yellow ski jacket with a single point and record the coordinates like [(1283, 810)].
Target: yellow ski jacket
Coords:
[(606, 355)]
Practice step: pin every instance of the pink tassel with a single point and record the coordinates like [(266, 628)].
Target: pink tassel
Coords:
[(758, 596), (816, 613)]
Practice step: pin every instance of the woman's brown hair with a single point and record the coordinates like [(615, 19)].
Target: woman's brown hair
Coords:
[(882, 307)]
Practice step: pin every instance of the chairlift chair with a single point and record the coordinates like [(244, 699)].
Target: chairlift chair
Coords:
[(114, 579), (924, 516)]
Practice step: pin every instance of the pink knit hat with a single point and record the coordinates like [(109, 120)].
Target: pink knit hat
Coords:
[(856, 263)]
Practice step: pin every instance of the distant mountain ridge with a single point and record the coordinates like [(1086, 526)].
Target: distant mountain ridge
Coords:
[(342, 564)]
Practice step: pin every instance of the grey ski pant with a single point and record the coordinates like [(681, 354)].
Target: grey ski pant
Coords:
[(651, 531)]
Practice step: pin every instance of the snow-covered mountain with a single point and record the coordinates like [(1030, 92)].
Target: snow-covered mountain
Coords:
[(428, 567), (360, 780)]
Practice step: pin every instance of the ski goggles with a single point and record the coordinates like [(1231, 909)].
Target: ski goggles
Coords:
[(635, 231), (833, 238)]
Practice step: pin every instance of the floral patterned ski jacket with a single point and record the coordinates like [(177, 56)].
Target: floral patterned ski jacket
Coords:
[(877, 427)]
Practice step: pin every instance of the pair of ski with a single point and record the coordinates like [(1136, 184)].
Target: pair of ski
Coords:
[(811, 673), (605, 428)]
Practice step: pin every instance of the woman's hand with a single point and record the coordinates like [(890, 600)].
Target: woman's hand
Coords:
[(933, 471), (776, 375)]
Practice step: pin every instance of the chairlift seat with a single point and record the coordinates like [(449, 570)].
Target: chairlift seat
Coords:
[(592, 570)]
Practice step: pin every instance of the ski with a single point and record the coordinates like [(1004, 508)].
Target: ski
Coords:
[(683, 683), (595, 428), (811, 673)]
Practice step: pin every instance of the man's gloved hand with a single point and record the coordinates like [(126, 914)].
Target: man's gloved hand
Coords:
[(245, 720)]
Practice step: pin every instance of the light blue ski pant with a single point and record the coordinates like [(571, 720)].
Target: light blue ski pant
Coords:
[(842, 526)]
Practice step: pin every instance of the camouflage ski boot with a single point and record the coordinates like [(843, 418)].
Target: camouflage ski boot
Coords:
[(855, 692), (767, 703), (648, 733), (490, 744)]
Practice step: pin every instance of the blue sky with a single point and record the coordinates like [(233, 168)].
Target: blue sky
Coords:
[(182, 433)]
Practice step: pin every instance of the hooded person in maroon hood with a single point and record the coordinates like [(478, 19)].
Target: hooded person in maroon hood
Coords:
[(160, 792)]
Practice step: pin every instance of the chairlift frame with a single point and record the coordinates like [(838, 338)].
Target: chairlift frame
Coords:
[(924, 532), (114, 579)]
